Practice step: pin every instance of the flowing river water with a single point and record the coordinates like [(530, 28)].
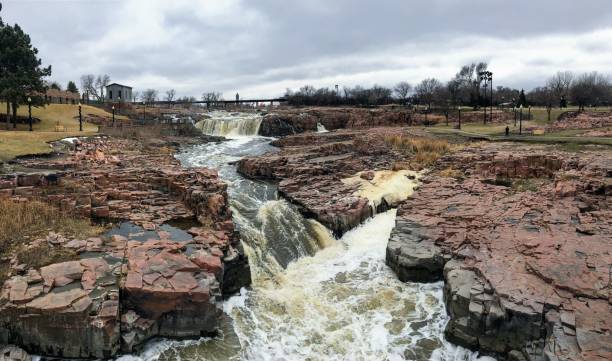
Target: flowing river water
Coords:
[(313, 297)]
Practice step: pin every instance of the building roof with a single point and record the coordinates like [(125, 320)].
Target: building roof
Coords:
[(121, 85)]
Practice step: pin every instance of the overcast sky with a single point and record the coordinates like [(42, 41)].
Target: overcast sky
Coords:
[(261, 47)]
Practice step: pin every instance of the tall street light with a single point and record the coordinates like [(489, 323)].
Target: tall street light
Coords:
[(30, 112), (487, 77), (144, 112), (80, 118), (521, 120), (113, 116)]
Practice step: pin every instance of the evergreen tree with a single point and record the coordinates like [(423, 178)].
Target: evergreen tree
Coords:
[(21, 71), (71, 87), (522, 99)]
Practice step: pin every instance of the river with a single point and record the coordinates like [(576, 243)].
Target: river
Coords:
[(313, 297)]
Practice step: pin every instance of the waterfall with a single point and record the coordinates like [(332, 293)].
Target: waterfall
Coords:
[(321, 128), (278, 236), (230, 124)]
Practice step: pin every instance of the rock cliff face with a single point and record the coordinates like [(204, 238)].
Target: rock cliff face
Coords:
[(310, 169), (521, 237), (290, 121), (143, 279)]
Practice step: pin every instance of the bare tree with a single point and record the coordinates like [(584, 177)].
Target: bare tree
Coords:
[(149, 96), (559, 84), (428, 90), (212, 97), (466, 84), (95, 86), (101, 82), (170, 94), (88, 85), (591, 89), (402, 90)]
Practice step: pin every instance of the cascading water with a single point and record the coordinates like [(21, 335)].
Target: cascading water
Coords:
[(230, 124), (313, 297)]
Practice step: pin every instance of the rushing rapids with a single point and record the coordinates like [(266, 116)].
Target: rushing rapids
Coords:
[(230, 124), (313, 297)]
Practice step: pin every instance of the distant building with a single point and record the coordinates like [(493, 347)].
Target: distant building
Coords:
[(118, 93), (55, 96)]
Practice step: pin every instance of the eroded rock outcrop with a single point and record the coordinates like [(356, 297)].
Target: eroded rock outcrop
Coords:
[(312, 169), (143, 279), (521, 236), (288, 121)]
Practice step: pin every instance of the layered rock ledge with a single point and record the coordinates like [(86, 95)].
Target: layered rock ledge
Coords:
[(311, 170), (142, 279), (289, 121), (521, 235)]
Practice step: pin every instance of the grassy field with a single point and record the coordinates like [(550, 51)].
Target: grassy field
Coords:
[(496, 131), (22, 142)]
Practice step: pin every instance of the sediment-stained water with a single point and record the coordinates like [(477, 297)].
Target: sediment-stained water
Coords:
[(313, 297)]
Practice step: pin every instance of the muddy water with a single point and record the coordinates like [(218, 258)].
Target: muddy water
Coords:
[(313, 297)]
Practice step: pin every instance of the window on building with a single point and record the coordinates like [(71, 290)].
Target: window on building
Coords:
[(110, 94), (119, 94)]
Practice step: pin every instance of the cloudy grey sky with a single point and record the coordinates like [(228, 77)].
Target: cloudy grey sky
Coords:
[(262, 47)]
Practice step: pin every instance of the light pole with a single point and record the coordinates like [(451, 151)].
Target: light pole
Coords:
[(113, 116), (491, 85), (521, 120), (487, 77), (30, 112), (459, 127), (144, 112), (80, 118)]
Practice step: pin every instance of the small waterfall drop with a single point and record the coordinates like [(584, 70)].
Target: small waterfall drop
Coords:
[(321, 128), (230, 125)]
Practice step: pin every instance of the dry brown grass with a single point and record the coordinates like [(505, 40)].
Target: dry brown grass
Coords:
[(451, 172), (21, 222), (425, 151)]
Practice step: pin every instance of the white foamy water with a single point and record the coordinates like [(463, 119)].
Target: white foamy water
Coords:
[(313, 297), (230, 125), (321, 128)]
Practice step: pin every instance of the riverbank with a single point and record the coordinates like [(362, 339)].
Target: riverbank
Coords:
[(518, 233), (167, 258)]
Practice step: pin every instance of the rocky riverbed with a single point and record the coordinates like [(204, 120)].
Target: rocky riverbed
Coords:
[(143, 279), (512, 241)]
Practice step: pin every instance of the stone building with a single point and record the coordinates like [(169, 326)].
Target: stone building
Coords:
[(55, 96), (118, 93)]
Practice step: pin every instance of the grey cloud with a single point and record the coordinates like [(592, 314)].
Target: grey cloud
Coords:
[(264, 44)]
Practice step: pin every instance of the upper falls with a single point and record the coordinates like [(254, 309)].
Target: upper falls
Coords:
[(230, 124)]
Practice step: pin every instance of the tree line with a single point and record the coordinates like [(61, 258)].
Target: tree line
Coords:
[(467, 88)]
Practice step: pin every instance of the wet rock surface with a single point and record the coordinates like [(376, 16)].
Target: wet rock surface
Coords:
[(310, 169), (521, 236), (141, 279)]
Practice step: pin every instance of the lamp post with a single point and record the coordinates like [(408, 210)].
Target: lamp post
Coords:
[(144, 112), (521, 120), (459, 127), (30, 112), (491, 85), (80, 118), (113, 116), (487, 77)]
